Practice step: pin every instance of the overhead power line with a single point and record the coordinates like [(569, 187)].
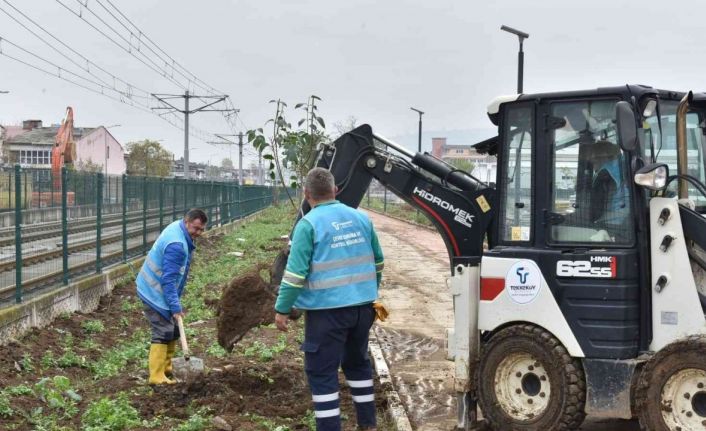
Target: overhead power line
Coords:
[(129, 90), (144, 40), (92, 86), (134, 43), (137, 38), (107, 85), (143, 58)]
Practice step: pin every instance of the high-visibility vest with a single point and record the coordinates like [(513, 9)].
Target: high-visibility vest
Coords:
[(149, 280), (342, 270)]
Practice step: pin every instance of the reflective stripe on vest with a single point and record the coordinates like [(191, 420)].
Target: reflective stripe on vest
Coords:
[(325, 266), (154, 284), (153, 266), (340, 281)]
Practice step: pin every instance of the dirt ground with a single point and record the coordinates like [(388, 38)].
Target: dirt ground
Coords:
[(413, 339), (258, 386)]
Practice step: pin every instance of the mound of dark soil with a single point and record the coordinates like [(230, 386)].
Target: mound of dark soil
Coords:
[(247, 301)]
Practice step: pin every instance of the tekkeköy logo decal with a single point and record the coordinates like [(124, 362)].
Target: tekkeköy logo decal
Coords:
[(342, 225), (594, 267), (523, 282), (460, 215)]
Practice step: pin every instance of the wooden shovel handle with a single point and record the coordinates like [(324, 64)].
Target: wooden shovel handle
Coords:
[(182, 338)]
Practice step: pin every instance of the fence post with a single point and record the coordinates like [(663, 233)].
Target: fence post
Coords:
[(144, 216), (384, 203), (99, 220), (161, 204), (186, 194), (124, 218), (51, 181), (174, 197), (239, 201), (210, 206), (223, 193), (18, 234), (64, 225)]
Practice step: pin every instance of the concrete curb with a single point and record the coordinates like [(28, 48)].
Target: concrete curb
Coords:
[(396, 410)]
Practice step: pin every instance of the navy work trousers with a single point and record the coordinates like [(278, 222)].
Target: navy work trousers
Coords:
[(336, 338)]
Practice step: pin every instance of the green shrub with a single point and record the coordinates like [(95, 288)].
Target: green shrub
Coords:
[(93, 326), (70, 359), (57, 393), (5, 409), (48, 360)]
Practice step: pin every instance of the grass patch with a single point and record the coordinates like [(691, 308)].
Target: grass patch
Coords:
[(115, 360), (264, 352), (108, 414)]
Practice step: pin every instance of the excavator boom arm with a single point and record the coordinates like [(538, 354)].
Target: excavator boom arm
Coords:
[(460, 207), (64, 150)]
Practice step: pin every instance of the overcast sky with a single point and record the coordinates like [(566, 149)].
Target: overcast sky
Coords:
[(369, 59)]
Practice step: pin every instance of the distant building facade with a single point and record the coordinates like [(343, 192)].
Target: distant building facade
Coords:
[(485, 167), (31, 144)]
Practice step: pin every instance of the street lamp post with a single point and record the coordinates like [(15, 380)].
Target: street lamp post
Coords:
[(420, 127), (521, 35)]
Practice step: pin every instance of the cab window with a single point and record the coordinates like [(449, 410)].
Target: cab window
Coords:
[(665, 146), (516, 183), (590, 193)]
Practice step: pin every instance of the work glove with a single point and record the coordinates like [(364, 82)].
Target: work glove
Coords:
[(381, 312)]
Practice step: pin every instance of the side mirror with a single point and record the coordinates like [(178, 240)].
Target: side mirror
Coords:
[(653, 177), (627, 129)]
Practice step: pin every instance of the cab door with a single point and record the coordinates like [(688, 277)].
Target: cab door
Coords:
[(587, 226)]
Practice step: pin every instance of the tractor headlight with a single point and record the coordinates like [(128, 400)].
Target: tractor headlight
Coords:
[(653, 177)]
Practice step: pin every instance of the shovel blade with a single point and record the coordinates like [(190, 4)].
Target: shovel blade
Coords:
[(183, 369)]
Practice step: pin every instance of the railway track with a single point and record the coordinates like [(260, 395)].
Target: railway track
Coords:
[(74, 247), (40, 231), (37, 284)]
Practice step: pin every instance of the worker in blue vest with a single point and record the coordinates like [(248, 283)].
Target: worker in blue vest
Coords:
[(160, 285), (333, 272)]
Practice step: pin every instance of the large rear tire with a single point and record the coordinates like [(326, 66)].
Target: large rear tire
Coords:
[(527, 381), (671, 391)]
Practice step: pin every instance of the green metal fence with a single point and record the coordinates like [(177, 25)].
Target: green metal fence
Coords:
[(378, 198), (55, 229)]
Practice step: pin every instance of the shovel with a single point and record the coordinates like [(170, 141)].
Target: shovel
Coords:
[(186, 367)]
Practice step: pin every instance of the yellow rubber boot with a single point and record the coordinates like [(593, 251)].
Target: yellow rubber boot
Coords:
[(171, 349), (157, 363)]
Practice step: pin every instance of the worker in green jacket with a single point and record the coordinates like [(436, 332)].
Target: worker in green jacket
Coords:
[(333, 273)]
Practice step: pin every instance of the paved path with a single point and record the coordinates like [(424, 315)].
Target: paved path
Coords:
[(415, 291)]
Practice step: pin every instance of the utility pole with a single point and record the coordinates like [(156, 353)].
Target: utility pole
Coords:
[(169, 107), (229, 143)]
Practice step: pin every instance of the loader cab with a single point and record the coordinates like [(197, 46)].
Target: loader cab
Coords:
[(567, 202), (584, 263)]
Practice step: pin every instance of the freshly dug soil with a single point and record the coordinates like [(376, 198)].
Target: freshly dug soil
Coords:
[(246, 302)]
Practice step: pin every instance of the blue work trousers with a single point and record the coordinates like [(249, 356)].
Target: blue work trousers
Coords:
[(338, 338)]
